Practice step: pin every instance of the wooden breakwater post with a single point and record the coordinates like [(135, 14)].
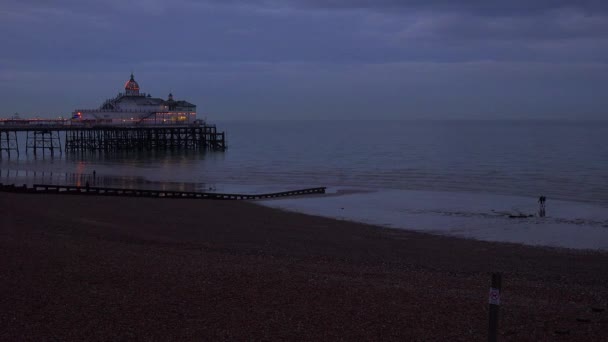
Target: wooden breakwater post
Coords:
[(494, 300), (89, 190)]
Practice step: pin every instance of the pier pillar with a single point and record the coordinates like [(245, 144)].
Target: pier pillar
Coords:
[(45, 140), (9, 143)]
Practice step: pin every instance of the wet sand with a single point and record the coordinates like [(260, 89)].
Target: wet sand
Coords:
[(103, 268)]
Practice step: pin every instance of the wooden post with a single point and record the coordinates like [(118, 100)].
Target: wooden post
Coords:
[(494, 300)]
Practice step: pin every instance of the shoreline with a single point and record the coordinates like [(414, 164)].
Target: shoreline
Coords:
[(388, 229), (79, 267), (484, 217)]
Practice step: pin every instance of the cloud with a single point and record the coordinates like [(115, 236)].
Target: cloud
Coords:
[(484, 7), (556, 25), (355, 55)]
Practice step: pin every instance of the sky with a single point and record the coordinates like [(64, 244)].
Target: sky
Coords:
[(311, 59)]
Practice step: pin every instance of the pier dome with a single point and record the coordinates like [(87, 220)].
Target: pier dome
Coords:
[(131, 87), (137, 108)]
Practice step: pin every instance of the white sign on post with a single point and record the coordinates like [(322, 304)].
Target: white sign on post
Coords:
[(494, 296)]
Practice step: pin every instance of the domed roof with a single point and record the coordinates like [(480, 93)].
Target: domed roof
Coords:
[(131, 86)]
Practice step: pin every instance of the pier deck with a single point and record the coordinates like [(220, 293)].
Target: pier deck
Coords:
[(47, 137)]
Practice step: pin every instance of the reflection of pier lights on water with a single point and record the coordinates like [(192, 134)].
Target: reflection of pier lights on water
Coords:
[(11, 176), (8, 143), (82, 176), (16, 176), (43, 140)]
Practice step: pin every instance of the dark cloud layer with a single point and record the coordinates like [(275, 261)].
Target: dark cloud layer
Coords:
[(495, 7), (401, 56)]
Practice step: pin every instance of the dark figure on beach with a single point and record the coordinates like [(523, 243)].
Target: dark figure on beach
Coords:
[(94, 174), (541, 200), (87, 186)]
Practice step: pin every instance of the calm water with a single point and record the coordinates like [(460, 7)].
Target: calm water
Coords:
[(563, 160)]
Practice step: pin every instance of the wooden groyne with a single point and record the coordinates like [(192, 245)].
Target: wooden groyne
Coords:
[(103, 191)]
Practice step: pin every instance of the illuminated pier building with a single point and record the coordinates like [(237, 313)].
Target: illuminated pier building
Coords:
[(135, 108)]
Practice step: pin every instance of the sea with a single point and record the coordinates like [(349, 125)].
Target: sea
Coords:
[(472, 179)]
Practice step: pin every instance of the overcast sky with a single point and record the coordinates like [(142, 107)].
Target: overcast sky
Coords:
[(311, 59)]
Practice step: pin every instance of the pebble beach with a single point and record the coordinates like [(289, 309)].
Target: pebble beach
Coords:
[(101, 268)]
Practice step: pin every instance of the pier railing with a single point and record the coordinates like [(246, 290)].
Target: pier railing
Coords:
[(103, 191)]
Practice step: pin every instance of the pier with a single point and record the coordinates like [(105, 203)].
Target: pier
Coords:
[(145, 138), (130, 121), (45, 136)]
